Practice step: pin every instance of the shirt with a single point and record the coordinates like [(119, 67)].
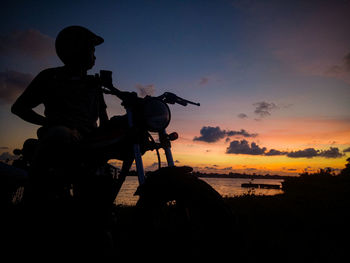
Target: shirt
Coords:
[(69, 100)]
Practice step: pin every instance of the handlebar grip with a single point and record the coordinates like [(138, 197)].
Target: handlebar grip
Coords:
[(193, 103), (181, 102)]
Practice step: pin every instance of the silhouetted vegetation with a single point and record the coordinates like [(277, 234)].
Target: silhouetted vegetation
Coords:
[(346, 170)]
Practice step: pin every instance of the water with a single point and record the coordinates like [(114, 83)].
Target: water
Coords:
[(227, 187)]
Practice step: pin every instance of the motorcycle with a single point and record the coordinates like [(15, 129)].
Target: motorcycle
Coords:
[(174, 205)]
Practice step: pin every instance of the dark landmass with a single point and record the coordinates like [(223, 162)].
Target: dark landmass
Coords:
[(240, 175)]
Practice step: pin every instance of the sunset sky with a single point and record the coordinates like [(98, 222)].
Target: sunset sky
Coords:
[(272, 77)]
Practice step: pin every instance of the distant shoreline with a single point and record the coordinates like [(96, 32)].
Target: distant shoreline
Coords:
[(244, 176), (233, 175)]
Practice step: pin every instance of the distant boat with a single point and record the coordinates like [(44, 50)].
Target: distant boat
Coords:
[(262, 186)]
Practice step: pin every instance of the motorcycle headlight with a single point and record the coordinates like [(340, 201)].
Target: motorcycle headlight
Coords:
[(156, 115)]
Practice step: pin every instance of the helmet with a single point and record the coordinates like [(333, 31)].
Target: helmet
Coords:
[(73, 40)]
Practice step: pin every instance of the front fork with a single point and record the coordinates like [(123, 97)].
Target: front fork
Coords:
[(164, 140), (137, 152)]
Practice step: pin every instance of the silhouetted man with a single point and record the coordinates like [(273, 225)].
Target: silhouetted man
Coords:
[(73, 102)]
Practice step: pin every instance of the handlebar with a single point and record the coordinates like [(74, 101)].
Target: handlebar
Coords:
[(114, 91), (171, 98), (129, 97)]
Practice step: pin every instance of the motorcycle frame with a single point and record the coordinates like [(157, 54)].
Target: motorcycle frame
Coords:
[(137, 152)]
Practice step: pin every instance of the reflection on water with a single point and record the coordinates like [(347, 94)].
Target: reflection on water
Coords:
[(227, 187)]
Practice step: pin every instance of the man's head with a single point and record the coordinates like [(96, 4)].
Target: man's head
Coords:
[(75, 46)]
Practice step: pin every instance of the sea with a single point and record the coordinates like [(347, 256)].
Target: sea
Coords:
[(226, 187)]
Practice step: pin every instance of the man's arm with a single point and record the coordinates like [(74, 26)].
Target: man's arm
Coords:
[(28, 114), (29, 99)]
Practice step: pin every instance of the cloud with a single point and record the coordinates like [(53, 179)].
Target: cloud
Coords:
[(12, 83), (242, 132), (210, 134), (29, 42), (213, 134), (343, 67), (347, 150), (306, 153), (274, 152), (333, 152), (243, 147), (216, 168), (203, 81), (263, 108), (145, 90), (342, 70), (347, 62), (242, 116)]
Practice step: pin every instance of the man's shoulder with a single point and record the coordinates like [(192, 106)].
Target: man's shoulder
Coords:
[(50, 73)]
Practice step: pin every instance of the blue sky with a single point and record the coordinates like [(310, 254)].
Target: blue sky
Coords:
[(228, 55)]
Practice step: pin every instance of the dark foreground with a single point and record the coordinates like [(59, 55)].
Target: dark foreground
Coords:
[(308, 223)]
